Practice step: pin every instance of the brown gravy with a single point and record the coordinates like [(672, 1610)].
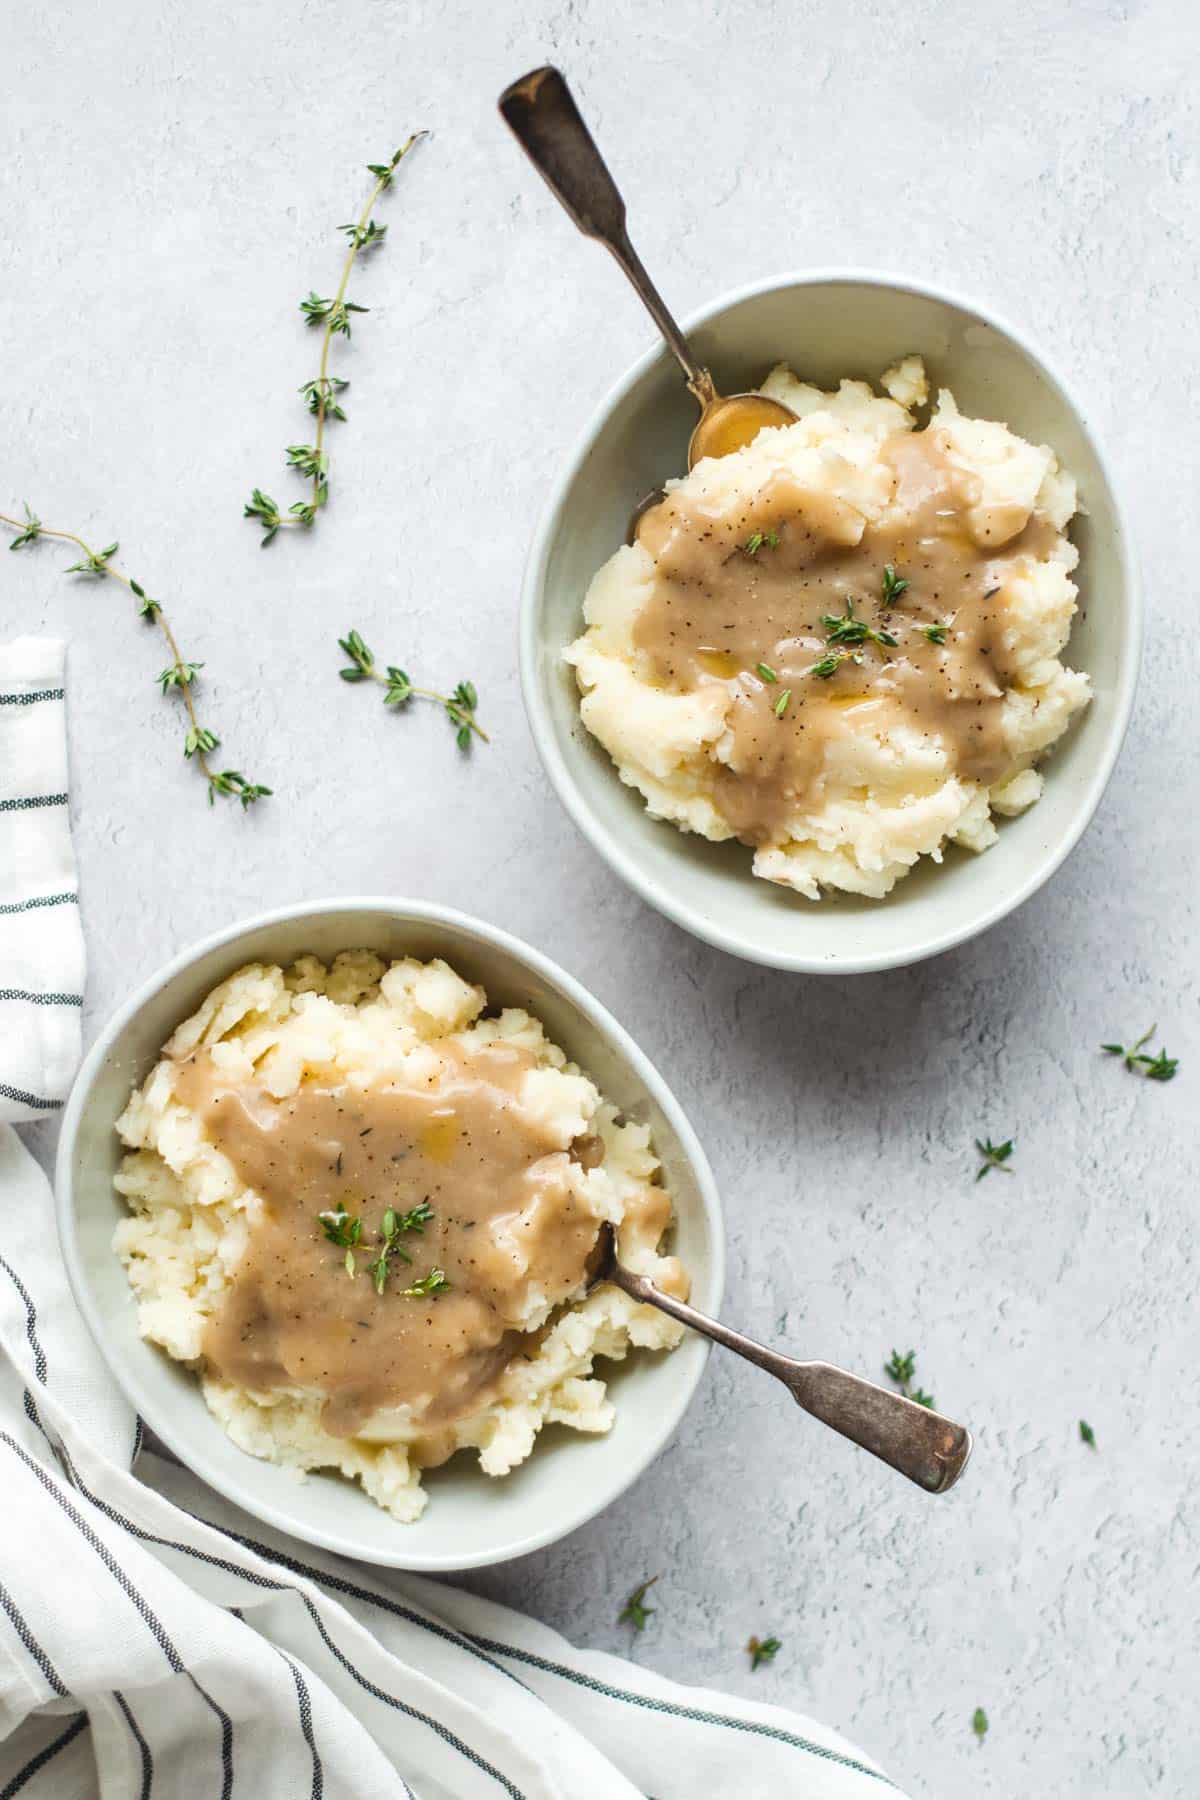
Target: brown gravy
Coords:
[(716, 612), (504, 1226)]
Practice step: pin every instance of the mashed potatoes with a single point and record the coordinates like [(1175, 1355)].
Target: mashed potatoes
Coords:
[(508, 1342), (841, 644)]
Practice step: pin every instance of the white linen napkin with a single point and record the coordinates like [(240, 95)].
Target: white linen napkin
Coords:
[(41, 944), (157, 1644)]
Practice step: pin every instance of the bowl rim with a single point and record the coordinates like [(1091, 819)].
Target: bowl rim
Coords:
[(608, 843), (661, 1426)]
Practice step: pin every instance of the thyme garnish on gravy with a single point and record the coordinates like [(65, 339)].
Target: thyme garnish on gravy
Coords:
[(849, 630), (345, 1229), (178, 677), (320, 394)]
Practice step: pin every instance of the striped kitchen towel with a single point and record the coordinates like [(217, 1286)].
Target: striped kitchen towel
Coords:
[(41, 944), (158, 1644)]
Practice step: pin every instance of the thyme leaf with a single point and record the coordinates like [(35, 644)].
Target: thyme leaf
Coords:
[(995, 1156), (979, 1723), (763, 1650), (755, 542), (427, 1286), (635, 1612), (893, 585), (1087, 1434)]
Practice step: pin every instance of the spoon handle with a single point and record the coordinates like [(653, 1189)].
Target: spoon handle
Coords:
[(930, 1450), (544, 119)]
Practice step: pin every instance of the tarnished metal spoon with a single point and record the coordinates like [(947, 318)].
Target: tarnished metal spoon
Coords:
[(931, 1450), (547, 124)]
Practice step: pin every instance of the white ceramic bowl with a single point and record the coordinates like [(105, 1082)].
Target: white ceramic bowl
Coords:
[(826, 325), (471, 1520)]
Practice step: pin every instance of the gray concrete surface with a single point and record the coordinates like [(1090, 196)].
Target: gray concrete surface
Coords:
[(170, 181)]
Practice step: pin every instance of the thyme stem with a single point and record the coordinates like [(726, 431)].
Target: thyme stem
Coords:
[(333, 314), (99, 563)]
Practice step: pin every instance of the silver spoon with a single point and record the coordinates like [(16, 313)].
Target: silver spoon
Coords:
[(547, 124), (920, 1443)]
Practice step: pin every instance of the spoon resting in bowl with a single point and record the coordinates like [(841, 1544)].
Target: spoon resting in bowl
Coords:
[(931, 1450), (543, 116)]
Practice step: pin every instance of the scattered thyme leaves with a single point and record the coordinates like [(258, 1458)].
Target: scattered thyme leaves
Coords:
[(762, 1650), (332, 315), (178, 677), (893, 586), (935, 633), (460, 706), (979, 1723), (995, 1156), (901, 1370), (635, 1612), (1155, 1068), (1087, 1434), (765, 672), (783, 702)]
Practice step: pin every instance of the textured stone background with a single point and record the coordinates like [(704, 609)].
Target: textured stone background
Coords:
[(170, 177)]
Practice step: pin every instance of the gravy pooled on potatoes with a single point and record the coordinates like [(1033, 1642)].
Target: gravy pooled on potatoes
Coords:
[(498, 1233), (826, 629)]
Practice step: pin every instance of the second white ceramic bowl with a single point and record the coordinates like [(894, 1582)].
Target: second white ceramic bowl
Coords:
[(471, 1519), (827, 324)]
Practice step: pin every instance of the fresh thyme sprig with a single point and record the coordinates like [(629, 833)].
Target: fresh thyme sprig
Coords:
[(635, 1612), (995, 1156), (178, 676), (1155, 1068), (849, 630), (935, 633), (333, 316), (901, 1370), (762, 1650), (399, 689)]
